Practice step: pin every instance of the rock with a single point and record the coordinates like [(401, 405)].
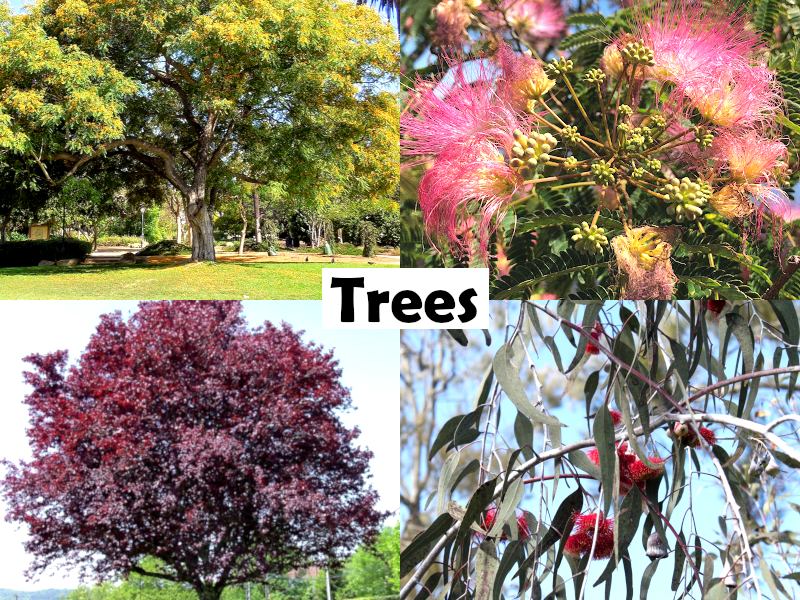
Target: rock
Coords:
[(228, 244), (141, 260), (68, 262), (46, 263), (128, 258)]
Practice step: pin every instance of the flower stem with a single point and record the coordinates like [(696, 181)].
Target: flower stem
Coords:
[(580, 107)]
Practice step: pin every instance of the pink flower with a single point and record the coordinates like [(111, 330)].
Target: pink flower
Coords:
[(749, 157), (522, 81), (467, 179), (538, 22), (695, 38), (452, 20), (745, 98), (455, 107)]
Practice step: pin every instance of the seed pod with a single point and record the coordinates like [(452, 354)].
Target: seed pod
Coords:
[(772, 467), (730, 578), (757, 464), (656, 548)]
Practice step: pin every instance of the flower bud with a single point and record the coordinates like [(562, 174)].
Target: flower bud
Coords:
[(656, 548)]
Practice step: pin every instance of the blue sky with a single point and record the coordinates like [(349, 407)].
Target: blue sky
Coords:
[(368, 360), (706, 498)]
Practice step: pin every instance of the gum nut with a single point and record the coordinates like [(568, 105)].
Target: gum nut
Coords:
[(772, 467), (681, 429), (544, 157)]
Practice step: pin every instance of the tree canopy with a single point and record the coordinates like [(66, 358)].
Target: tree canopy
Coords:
[(182, 435), (199, 92)]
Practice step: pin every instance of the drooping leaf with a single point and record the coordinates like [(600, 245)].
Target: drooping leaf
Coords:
[(459, 336), (603, 431), (648, 575), (420, 545), (508, 378), (476, 505), (486, 565), (446, 479)]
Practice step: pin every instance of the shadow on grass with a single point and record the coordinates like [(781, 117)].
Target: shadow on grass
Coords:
[(82, 269)]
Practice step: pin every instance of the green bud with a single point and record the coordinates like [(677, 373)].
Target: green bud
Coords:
[(560, 66), (637, 53), (602, 173), (594, 76), (589, 239), (686, 198)]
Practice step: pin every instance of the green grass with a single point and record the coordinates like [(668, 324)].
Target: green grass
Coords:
[(207, 281)]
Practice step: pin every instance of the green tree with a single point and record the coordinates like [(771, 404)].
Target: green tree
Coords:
[(374, 571), (178, 88)]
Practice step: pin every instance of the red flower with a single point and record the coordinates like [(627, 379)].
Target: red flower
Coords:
[(640, 472), (690, 439), (595, 335), (616, 417), (522, 524), (580, 542), (714, 306)]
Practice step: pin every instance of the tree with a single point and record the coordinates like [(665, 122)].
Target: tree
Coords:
[(177, 89), (184, 436), (667, 409), (374, 571)]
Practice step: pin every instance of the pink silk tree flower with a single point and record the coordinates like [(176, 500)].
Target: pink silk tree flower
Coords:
[(468, 180), (521, 82), (455, 107), (538, 22), (745, 98), (749, 157), (452, 20), (694, 38)]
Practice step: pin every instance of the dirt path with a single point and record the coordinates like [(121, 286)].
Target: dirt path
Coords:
[(283, 257)]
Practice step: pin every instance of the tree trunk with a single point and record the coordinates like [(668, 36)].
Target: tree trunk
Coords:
[(94, 237), (199, 217), (3, 229), (208, 593), (257, 214), (243, 215), (178, 235)]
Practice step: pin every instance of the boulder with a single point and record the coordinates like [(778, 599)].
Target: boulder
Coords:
[(69, 262), (46, 263), (141, 260), (128, 258)]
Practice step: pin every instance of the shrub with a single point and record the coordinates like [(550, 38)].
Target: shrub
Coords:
[(387, 223), (13, 236), (29, 253), (118, 240), (166, 248)]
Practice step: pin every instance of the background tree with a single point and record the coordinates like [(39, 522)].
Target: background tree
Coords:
[(651, 375), (175, 89), (183, 436), (374, 571)]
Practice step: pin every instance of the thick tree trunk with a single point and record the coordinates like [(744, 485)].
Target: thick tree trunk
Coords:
[(179, 233), (257, 215), (94, 236), (3, 229), (199, 217)]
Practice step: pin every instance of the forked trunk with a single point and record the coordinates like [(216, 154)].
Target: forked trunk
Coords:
[(199, 217)]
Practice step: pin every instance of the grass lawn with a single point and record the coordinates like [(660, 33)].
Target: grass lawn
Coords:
[(198, 281)]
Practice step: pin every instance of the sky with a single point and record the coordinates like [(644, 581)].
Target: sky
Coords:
[(706, 498), (368, 360)]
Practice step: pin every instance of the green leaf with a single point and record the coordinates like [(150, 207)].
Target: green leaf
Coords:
[(603, 432), (580, 460), (594, 19), (421, 545), (459, 336), (648, 575), (626, 524), (484, 388), (584, 37), (445, 435), (680, 558), (787, 317), (479, 501), (470, 468), (766, 14), (569, 216), (712, 280), (508, 506), (739, 328), (430, 584), (508, 378), (486, 565), (523, 432), (446, 478), (512, 555), (571, 504), (590, 314), (589, 389), (524, 277)]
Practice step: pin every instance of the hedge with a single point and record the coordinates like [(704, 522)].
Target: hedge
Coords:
[(29, 253), (166, 248), (118, 240)]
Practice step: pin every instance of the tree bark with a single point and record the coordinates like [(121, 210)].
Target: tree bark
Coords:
[(94, 237), (257, 214), (202, 226), (243, 215), (3, 229)]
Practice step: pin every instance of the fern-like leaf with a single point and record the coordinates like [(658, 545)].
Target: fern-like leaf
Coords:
[(695, 281), (526, 276), (584, 37), (766, 15), (587, 19), (568, 215)]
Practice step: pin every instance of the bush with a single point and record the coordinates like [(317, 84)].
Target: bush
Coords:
[(29, 253), (118, 240), (387, 223), (13, 236), (166, 248)]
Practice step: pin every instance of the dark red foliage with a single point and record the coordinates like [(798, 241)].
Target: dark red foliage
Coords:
[(182, 434), (597, 329)]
